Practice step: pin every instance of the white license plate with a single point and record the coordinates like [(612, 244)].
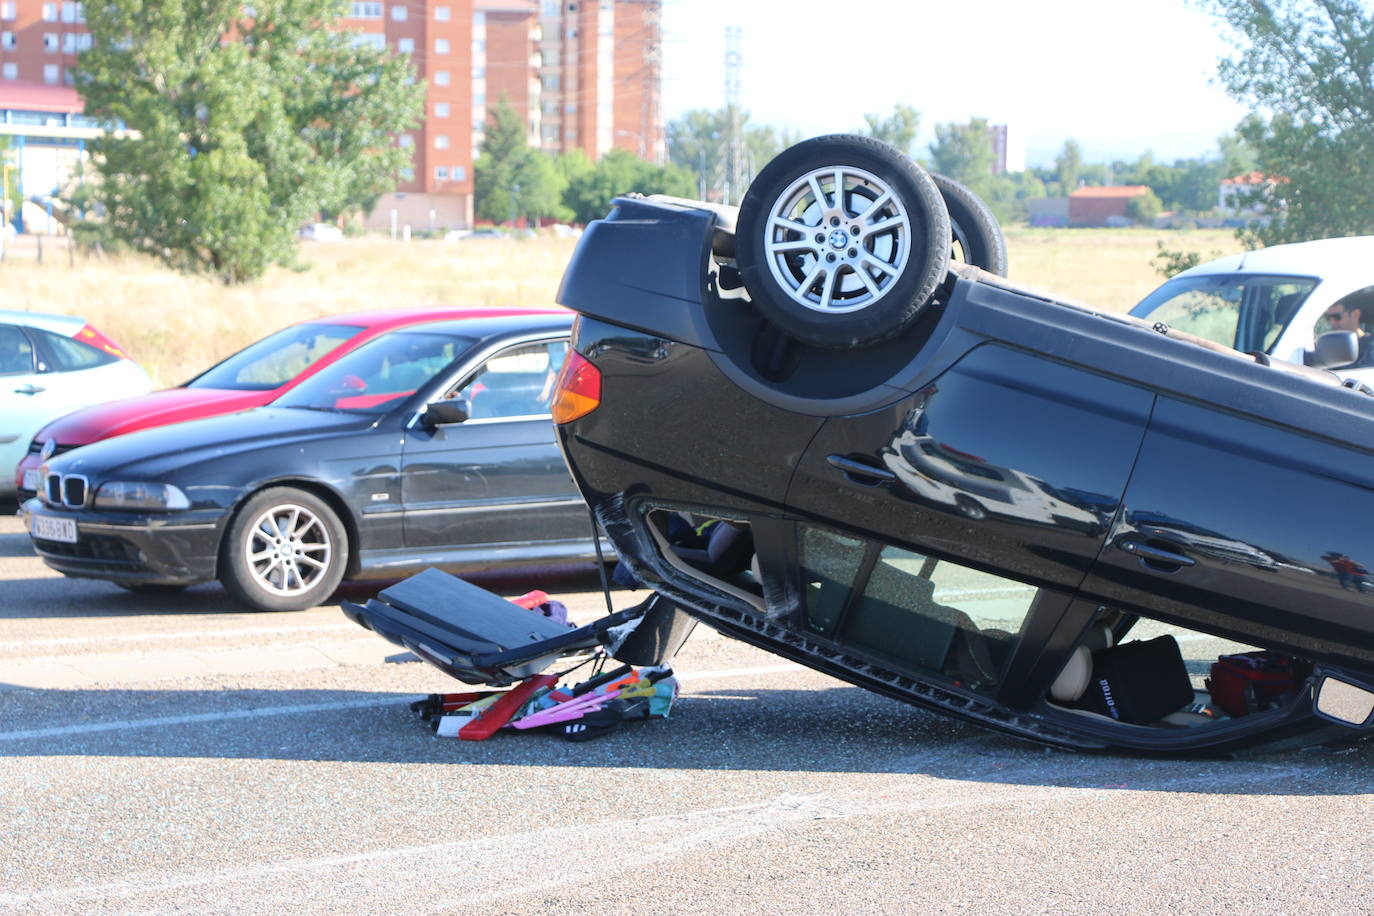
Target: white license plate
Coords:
[(54, 529), (31, 480)]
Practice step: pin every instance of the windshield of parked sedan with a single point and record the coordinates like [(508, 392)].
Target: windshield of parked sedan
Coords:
[(1244, 311), (276, 359), (379, 375)]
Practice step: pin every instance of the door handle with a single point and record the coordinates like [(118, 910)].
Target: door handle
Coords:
[(865, 473), (1159, 555), (30, 388)]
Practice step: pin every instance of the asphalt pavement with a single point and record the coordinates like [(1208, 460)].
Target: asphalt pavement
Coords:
[(179, 754)]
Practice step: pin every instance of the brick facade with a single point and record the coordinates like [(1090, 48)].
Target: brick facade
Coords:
[(596, 86)]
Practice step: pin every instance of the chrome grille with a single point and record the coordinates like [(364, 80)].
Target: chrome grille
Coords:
[(65, 490), (74, 490), (36, 448)]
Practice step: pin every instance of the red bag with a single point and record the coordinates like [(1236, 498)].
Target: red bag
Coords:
[(1253, 681)]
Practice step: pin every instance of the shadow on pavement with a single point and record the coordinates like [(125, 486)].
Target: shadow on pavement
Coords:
[(837, 730)]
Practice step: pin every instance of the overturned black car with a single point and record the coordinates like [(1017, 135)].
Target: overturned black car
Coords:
[(912, 474)]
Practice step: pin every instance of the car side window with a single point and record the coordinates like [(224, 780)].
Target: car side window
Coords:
[(933, 614), (516, 382), (67, 355), (16, 353)]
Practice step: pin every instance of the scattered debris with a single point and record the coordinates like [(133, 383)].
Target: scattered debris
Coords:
[(588, 710), (480, 638)]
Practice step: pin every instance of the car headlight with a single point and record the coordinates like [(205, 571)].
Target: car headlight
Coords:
[(156, 497)]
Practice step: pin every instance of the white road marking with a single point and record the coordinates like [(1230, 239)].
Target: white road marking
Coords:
[(198, 718), (389, 877), (155, 637)]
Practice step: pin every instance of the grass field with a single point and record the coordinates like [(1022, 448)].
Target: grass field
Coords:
[(177, 325)]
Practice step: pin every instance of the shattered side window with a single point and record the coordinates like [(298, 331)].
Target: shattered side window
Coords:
[(830, 564), (940, 616), (932, 614)]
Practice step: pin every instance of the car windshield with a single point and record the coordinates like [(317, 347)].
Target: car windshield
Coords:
[(1244, 311), (276, 359), (379, 374)]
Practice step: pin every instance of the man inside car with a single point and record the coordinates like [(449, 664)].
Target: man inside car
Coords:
[(1348, 315)]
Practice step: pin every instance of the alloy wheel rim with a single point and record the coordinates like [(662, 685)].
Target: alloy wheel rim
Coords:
[(837, 239), (289, 550)]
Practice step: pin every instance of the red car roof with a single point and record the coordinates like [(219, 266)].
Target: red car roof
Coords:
[(176, 405), (391, 318)]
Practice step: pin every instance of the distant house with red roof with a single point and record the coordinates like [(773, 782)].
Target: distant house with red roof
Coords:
[(1103, 206), (47, 135), (18, 97), (1237, 195)]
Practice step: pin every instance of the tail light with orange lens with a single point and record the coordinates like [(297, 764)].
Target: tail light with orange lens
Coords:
[(578, 392)]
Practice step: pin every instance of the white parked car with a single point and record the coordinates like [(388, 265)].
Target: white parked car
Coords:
[(1289, 301), (50, 365), (322, 232)]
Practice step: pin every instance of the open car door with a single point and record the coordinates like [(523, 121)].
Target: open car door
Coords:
[(480, 638)]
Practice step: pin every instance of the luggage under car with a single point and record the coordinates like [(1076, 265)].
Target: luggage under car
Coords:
[(481, 638)]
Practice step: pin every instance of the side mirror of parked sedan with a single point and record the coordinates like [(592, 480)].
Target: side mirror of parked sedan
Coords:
[(443, 413), (1334, 348)]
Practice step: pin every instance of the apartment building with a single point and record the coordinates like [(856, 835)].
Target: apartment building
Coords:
[(39, 40), (580, 73), (440, 38), (601, 74)]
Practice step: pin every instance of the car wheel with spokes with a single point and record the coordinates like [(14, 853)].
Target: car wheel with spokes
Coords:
[(841, 241), (285, 550)]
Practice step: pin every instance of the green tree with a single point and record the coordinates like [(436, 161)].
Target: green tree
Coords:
[(1006, 194), (1236, 156), (512, 180), (241, 128), (699, 143), (1145, 208), (898, 128), (1307, 64), (964, 152), (589, 194), (1068, 166)]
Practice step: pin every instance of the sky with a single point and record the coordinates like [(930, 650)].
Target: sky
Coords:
[(1119, 76)]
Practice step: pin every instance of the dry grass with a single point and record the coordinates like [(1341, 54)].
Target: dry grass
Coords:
[(1105, 268), (177, 325)]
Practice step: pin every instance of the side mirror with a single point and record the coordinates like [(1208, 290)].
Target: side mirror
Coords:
[(1334, 348), (444, 413)]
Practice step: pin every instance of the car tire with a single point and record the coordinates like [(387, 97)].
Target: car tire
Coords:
[(970, 508), (285, 550), (811, 259), (973, 227)]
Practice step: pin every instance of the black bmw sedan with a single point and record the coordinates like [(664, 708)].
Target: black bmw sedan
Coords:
[(429, 446)]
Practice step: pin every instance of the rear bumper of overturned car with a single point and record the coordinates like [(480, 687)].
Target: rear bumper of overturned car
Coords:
[(145, 548)]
